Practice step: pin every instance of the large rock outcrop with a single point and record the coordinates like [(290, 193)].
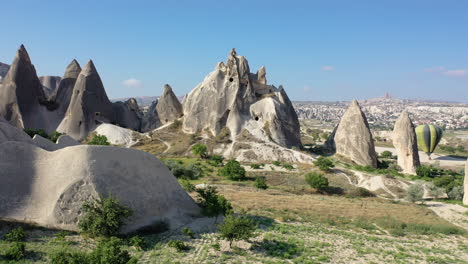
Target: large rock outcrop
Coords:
[(353, 139), (465, 184), (128, 114), (232, 97), (406, 145), (22, 99), (48, 188), (89, 105), (168, 107), (50, 84)]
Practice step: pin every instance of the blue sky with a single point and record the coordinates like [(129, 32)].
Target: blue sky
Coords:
[(318, 50)]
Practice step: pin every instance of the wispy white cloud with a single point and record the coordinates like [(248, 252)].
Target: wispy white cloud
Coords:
[(446, 72), (456, 73), (132, 83), (328, 68)]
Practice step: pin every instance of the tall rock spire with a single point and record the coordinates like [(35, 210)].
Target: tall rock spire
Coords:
[(406, 145), (353, 139), (89, 105), (168, 107)]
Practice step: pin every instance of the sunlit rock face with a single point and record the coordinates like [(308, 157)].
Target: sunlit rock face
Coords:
[(406, 145), (233, 97)]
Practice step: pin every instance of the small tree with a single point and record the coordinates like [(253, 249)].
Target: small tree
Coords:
[(103, 217), (423, 171), (233, 171), (415, 193), (201, 150), (110, 251), (212, 203), (260, 183), (237, 228), (386, 154), (217, 160), (456, 193), (99, 140), (324, 163), (317, 180)]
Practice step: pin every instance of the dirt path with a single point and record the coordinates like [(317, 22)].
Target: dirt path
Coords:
[(454, 213)]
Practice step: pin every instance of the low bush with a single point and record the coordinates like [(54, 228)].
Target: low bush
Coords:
[(54, 136), (63, 257), (189, 172), (188, 232), (138, 242), (103, 217), (288, 166), (216, 160), (361, 192), (178, 245), (415, 193), (276, 163), (233, 171), (456, 193), (32, 131), (260, 183), (15, 235), (200, 150), (100, 140), (317, 180), (109, 251), (237, 228), (16, 251), (212, 203), (386, 154), (187, 185), (324, 163), (255, 166)]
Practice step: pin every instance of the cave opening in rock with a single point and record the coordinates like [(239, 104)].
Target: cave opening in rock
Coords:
[(256, 118), (231, 79)]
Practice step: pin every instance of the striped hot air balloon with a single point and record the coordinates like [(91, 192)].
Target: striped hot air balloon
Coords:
[(428, 137)]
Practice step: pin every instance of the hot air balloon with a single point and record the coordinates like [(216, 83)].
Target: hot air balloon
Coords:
[(428, 137)]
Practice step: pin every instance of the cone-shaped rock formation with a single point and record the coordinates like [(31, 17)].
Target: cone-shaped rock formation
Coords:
[(232, 97), (406, 145), (353, 139), (64, 92), (168, 107), (128, 114), (151, 119), (89, 105), (23, 102)]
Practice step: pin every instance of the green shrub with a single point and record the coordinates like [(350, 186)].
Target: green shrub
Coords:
[(178, 245), (423, 171), (255, 166), (31, 132), (288, 166), (260, 183), (188, 232), (281, 249), (237, 228), (324, 163), (109, 251), (16, 251), (415, 193), (15, 235), (100, 140), (386, 154), (138, 242), (63, 257), (212, 203), (217, 160), (54, 136), (317, 180), (233, 171), (103, 217), (193, 172), (200, 150), (187, 185), (456, 193), (276, 163), (361, 192)]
